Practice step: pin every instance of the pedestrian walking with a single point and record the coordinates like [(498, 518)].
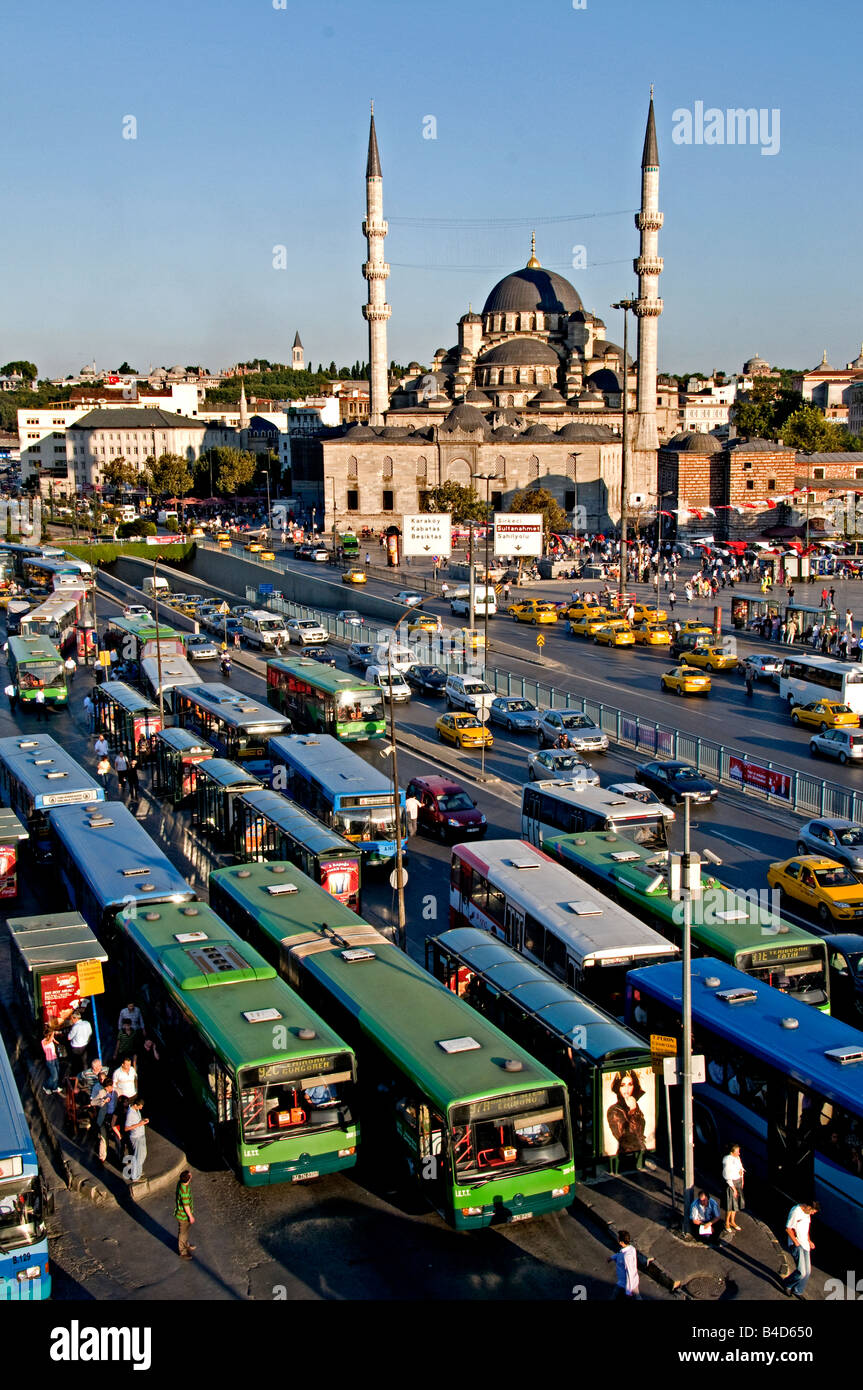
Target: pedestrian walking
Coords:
[(750, 682), (89, 710), (705, 1217), (832, 597), (120, 767), (125, 1079), (801, 1244), (132, 780), (103, 1103), (135, 1131), (626, 1260), (132, 1015), (184, 1212), (672, 599), (100, 747), (732, 1176), (368, 559), (39, 700), (412, 807), (49, 1050), (70, 666), (849, 620), (236, 641), (79, 1037), (103, 771), (12, 696)]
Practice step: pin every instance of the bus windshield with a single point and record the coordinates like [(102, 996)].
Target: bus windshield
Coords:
[(354, 704), (40, 673), (366, 823), (277, 1108), (516, 1132), (21, 1215)]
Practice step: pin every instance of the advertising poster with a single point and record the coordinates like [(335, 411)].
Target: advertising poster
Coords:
[(628, 1112), (765, 779)]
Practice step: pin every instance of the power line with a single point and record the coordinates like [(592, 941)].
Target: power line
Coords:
[(492, 269), (480, 222)]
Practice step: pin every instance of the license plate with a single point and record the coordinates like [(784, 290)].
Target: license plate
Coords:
[(522, 1216), (304, 1177)]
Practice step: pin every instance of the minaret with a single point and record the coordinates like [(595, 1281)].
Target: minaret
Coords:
[(297, 360), (376, 270), (244, 410), (648, 268)]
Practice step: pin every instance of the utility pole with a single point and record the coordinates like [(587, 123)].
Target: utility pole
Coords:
[(625, 305), (485, 478), (471, 579), (158, 647)]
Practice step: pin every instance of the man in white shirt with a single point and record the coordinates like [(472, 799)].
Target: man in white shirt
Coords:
[(732, 1176), (626, 1260), (125, 1079), (80, 1034), (800, 1244), (412, 807), (100, 747)]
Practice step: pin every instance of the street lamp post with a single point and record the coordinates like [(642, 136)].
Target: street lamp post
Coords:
[(335, 535), (485, 478), (625, 305), (158, 646), (393, 753)]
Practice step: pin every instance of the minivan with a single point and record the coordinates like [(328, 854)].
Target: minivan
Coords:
[(264, 629), (380, 676), (446, 809), (469, 693), (400, 657)]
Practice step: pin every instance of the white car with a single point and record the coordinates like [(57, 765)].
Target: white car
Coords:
[(396, 655), (635, 791), (468, 693), (388, 679), (409, 598), (136, 610), (462, 605), (305, 631), (559, 765)]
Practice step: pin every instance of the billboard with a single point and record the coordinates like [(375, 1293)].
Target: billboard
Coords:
[(518, 533), (428, 533), (629, 1111), (764, 779)]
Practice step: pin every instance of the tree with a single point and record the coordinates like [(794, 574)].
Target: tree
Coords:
[(807, 429), (233, 469), (25, 369), (119, 474), (539, 499), (464, 503), (126, 370), (170, 476)]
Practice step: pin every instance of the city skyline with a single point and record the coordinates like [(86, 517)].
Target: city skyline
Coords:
[(155, 233)]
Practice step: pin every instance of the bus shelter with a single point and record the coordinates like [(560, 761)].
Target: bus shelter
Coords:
[(176, 754), (218, 783), (13, 834), (50, 954), (127, 717)]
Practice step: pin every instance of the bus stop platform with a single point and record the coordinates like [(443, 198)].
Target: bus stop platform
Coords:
[(748, 1267)]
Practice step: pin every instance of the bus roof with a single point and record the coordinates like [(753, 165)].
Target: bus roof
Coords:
[(47, 773), (396, 1003), (324, 678), (531, 988), (183, 741), (336, 768), (15, 1137), (733, 921), (116, 856), (145, 628), (34, 648), (175, 671), (235, 708), (620, 808), (295, 821), (221, 980), (757, 1025), (58, 940), (227, 774), (588, 921)]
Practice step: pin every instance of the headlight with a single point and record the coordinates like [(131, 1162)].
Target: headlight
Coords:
[(471, 1211), (559, 1191), (452, 820), (482, 820), (846, 905)]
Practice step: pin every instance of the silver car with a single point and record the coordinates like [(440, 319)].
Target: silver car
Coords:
[(844, 744), (305, 631), (583, 734), (836, 839), (200, 648), (516, 715), (559, 765)]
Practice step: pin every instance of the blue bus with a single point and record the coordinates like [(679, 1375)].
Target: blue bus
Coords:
[(236, 725), (24, 1269), (36, 775), (341, 790), (782, 1079), (109, 865)]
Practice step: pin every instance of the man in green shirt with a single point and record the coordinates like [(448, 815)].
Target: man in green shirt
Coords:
[(184, 1211)]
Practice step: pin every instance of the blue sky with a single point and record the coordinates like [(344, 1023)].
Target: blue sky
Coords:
[(252, 124)]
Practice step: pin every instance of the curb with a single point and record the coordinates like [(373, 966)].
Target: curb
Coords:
[(656, 1271)]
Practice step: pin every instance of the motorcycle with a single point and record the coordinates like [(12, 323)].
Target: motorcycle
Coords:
[(225, 665)]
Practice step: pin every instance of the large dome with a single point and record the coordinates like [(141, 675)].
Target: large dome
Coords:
[(529, 290)]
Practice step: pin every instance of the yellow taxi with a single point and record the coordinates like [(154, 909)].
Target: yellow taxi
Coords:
[(617, 633), (652, 635), (696, 625), (469, 637), (463, 730), (255, 547), (355, 576), (685, 680), (710, 659), (225, 544), (533, 610), (589, 624), (645, 614), (425, 622), (828, 889), (587, 610), (825, 714), (268, 554), (197, 533)]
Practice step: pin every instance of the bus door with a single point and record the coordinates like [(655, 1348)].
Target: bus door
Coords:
[(226, 1135), (791, 1123), (432, 1156), (513, 926)]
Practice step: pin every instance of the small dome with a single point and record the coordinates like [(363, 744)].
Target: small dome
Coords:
[(548, 396), (465, 417), (394, 432), (540, 434), (693, 442), (505, 434), (755, 364), (470, 318), (414, 367), (478, 398), (586, 434), (360, 432), (520, 352)]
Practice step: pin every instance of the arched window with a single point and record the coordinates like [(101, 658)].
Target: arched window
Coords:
[(570, 466), (458, 471), (422, 468), (388, 467), (533, 468), (500, 466), (352, 467)]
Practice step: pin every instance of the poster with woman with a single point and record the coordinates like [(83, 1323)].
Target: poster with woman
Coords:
[(628, 1112)]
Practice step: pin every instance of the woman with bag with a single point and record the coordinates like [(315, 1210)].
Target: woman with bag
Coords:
[(732, 1176)]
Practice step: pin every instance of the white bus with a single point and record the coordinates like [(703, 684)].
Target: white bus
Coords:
[(538, 907), (806, 678), (175, 671), (572, 808)]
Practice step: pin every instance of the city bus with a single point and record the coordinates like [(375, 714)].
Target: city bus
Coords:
[(218, 783), (479, 1125), (58, 619), (109, 865), (36, 775), (175, 670), (596, 1056), (135, 639), (237, 725), (127, 718), (35, 664), (321, 700), (342, 791), (269, 826), (42, 574), (240, 1045), (785, 1082), (726, 922), (24, 1269), (571, 808), (521, 896), (805, 678), (16, 611), (175, 755)]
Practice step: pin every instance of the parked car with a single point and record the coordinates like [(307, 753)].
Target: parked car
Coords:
[(390, 682), (710, 658), (672, 781), (426, 680), (463, 730), (826, 888), (559, 765), (305, 631), (350, 616), (533, 610), (201, 648), (844, 744), (468, 693), (614, 634), (842, 840), (360, 654), (408, 598), (583, 734), (446, 809), (517, 715), (652, 635)]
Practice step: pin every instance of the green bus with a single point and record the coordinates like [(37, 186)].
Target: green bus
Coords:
[(136, 638), (35, 664), (273, 1082), (349, 545), (322, 700), (731, 924), (482, 1128)]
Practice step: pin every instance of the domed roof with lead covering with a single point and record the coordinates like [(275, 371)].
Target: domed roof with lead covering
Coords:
[(529, 290), (695, 442), (520, 352)]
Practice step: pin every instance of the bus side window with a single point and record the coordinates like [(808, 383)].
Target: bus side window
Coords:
[(555, 955), (534, 938)]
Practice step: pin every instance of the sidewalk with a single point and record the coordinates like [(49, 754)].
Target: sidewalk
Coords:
[(748, 1267)]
